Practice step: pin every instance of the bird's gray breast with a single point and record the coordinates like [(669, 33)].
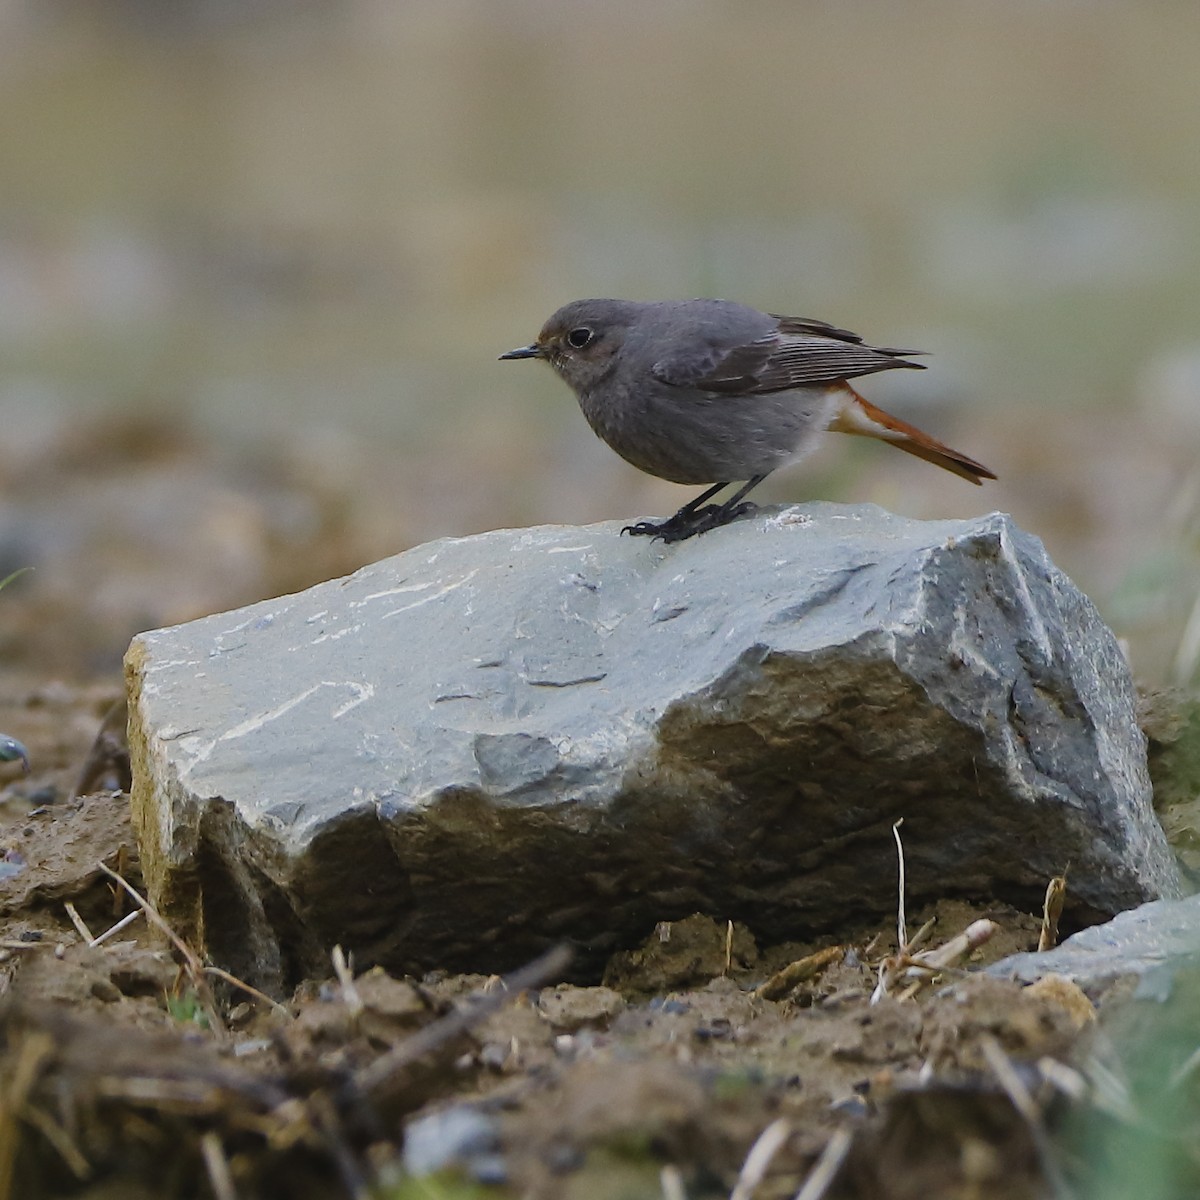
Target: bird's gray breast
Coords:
[(688, 435)]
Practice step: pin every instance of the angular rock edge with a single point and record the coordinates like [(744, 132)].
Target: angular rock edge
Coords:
[(1153, 936), (463, 753)]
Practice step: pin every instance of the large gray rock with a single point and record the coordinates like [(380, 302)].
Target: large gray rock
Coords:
[(459, 754)]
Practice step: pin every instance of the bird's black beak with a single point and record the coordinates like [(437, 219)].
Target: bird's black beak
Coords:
[(534, 351)]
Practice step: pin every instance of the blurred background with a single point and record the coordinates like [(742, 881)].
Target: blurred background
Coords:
[(257, 260)]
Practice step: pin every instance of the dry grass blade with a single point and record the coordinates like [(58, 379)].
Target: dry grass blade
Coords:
[(889, 969), (824, 1170), (444, 1030), (79, 923), (901, 923), (33, 1054), (60, 1139), (249, 989), (156, 919), (1008, 1078), (1018, 1094), (921, 969), (126, 920), (217, 1166), (103, 1066), (922, 935), (192, 963), (345, 975), (759, 1159), (13, 575), (925, 967), (1185, 1069), (1110, 1092), (670, 1179), (958, 947), (107, 761), (786, 978), (1056, 895)]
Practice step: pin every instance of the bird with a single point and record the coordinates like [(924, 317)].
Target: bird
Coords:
[(714, 392)]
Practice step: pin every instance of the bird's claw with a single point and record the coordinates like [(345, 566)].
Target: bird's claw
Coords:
[(701, 520)]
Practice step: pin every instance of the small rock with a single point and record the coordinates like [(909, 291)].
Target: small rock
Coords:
[(571, 1008), (1067, 995), (460, 1136)]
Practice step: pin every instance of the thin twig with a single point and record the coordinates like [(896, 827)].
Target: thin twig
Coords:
[(127, 919), (248, 989), (446, 1029), (1070, 1082), (79, 923), (1025, 1105), (901, 924)]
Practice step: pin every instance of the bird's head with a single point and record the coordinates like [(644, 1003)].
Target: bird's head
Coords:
[(581, 340)]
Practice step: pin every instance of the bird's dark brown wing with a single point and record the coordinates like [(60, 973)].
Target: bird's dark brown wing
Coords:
[(798, 353)]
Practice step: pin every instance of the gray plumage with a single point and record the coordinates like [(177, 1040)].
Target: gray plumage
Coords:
[(710, 391)]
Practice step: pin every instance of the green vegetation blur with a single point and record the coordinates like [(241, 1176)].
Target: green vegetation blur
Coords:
[(273, 220)]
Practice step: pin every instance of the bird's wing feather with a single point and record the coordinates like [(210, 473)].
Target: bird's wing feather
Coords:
[(799, 353)]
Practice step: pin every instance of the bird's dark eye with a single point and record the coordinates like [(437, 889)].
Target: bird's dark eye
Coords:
[(578, 338)]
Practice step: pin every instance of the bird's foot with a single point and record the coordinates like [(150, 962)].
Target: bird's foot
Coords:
[(645, 528), (684, 525)]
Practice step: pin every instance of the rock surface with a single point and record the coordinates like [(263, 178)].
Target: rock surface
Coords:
[(1153, 937), (460, 754)]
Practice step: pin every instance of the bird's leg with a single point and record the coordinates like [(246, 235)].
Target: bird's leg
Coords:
[(715, 515), (679, 521), (692, 519)]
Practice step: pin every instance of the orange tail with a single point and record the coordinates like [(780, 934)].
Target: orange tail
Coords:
[(859, 416)]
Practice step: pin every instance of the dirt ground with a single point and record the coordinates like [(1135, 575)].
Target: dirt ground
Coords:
[(698, 1066), (130, 1071)]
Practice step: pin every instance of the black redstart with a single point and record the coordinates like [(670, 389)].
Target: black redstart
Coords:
[(709, 391)]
